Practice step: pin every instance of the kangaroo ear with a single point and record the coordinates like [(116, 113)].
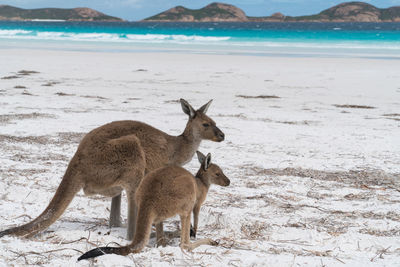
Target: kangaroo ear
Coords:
[(187, 108), (204, 161), (200, 157), (204, 108), (207, 161)]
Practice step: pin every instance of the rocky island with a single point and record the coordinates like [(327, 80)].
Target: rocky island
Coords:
[(345, 12), (74, 14), (215, 12), (212, 12)]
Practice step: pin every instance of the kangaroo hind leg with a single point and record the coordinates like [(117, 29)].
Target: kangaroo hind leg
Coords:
[(185, 236), (132, 180)]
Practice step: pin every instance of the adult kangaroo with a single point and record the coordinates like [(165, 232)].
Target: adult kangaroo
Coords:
[(116, 156), (164, 193)]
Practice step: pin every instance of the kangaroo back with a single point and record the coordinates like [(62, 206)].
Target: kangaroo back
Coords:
[(65, 193)]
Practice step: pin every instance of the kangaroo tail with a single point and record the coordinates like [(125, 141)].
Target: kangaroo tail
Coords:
[(142, 235), (104, 250), (66, 191)]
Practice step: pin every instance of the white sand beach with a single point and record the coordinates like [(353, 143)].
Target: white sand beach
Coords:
[(312, 150)]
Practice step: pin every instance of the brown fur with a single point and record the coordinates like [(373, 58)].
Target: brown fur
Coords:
[(116, 156), (164, 193)]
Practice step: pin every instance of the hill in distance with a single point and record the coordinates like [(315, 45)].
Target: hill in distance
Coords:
[(75, 14), (345, 12), (212, 12)]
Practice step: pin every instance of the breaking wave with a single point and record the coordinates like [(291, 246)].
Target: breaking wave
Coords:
[(13, 32), (108, 37)]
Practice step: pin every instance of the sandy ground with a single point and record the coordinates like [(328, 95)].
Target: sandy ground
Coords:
[(312, 151)]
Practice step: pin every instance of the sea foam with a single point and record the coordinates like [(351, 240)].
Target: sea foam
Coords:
[(4, 33), (104, 37)]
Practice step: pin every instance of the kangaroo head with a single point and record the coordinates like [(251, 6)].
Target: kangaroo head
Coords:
[(211, 172), (202, 126)]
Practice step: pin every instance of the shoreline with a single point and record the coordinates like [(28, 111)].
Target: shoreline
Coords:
[(273, 50), (263, 39)]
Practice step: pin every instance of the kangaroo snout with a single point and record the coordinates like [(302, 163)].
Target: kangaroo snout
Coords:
[(219, 135), (227, 182)]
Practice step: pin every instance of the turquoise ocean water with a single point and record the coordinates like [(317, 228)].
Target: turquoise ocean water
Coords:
[(291, 39)]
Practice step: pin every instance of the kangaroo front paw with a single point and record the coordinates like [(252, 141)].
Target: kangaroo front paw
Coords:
[(214, 242)]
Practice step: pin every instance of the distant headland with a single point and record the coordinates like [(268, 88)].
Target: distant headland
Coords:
[(53, 14), (215, 12), (218, 12)]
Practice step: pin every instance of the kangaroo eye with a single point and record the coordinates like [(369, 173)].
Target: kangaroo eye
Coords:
[(206, 124), (217, 174)]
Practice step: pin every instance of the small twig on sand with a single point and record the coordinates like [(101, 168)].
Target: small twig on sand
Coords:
[(394, 188), (319, 253), (380, 253), (232, 262), (19, 254), (89, 242), (70, 242), (23, 215), (48, 251), (27, 195), (293, 242), (294, 258), (339, 260)]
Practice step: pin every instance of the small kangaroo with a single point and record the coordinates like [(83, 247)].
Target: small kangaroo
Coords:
[(163, 193), (116, 156)]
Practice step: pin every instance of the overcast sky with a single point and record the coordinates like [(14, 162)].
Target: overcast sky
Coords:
[(140, 9)]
